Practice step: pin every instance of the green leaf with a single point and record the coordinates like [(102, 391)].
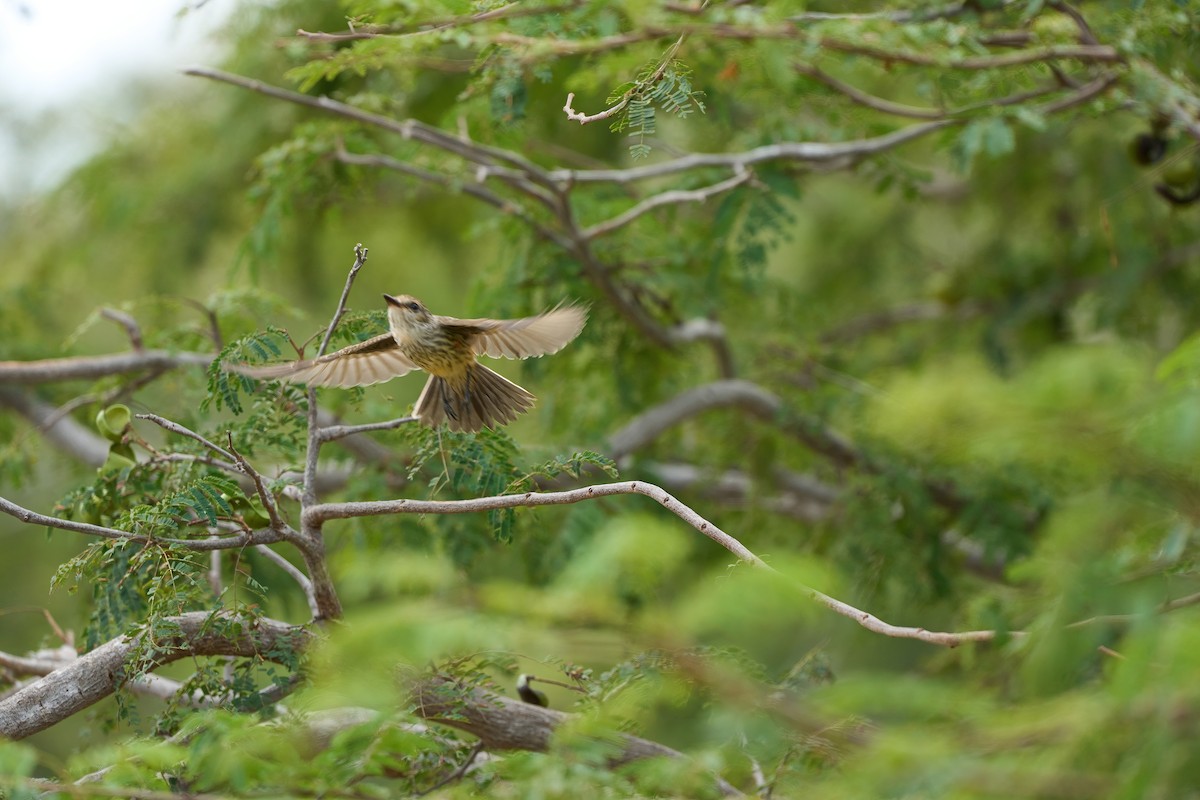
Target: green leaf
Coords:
[(113, 422)]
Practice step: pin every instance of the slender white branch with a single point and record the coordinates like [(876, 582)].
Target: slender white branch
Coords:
[(810, 152), (672, 197), (360, 258), (584, 119), (175, 427), (318, 514), (315, 516), (332, 432)]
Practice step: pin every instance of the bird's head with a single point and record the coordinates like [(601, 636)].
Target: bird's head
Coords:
[(406, 311)]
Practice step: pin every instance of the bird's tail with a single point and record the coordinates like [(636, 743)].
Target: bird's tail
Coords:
[(483, 399)]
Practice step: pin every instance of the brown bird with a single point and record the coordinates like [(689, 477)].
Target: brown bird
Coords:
[(460, 390)]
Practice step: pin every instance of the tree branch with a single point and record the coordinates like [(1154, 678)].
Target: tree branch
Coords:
[(263, 536), (89, 367), (667, 198), (90, 678), (501, 723), (334, 432), (317, 515), (807, 152), (584, 119)]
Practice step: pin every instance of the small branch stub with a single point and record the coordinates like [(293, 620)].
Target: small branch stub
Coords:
[(584, 119)]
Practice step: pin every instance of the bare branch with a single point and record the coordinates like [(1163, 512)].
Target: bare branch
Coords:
[(317, 515), (90, 678), (408, 129), (1084, 93), (668, 198), (1085, 31), (711, 331), (906, 16), (175, 427), (260, 487), (809, 152), (360, 258), (868, 100), (264, 536), (584, 119), (769, 408), (332, 433), (90, 367)]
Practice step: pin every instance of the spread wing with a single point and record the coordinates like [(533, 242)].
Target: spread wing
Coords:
[(526, 337), (375, 360)]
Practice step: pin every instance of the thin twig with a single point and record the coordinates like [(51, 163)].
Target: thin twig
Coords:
[(260, 488), (175, 427), (360, 258)]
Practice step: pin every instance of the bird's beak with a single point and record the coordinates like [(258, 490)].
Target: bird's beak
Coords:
[(391, 301)]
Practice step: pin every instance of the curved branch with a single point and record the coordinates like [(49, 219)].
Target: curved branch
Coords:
[(317, 515), (97, 674), (584, 119), (667, 198)]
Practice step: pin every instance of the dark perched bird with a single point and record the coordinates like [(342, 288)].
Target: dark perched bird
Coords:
[(528, 693), (460, 391)]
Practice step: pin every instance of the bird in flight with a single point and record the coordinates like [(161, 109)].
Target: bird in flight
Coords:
[(460, 391)]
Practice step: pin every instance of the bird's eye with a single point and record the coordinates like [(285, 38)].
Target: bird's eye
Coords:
[(414, 306)]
